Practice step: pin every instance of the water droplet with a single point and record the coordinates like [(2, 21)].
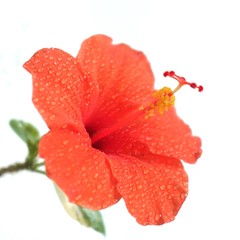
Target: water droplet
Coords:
[(67, 174), (177, 173), (65, 142), (185, 184), (166, 170), (162, 187), (170, 196), (83, 168), (52, 117), (183, 195), (143, 205), (145, 223), (157, 217), (35, 100), (78, 197), (139, 165), (145, 171), (96, 175)]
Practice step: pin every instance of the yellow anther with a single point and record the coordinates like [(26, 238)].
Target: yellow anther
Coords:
[(163, 100)]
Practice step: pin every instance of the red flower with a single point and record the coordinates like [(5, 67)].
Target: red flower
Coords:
[(106, 139)]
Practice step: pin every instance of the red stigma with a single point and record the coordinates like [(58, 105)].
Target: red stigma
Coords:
[(182, 81)]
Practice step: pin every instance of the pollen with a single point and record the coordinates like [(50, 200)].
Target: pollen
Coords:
[(163, 100)]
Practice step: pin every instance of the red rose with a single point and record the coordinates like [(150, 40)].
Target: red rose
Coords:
[(111, 134)]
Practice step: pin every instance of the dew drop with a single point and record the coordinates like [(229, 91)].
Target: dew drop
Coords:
[(145, 171), (170, 196), (52, 117), (96, 175), (162, 187), (67, 174), (185, 184), (157, 217), (78, 197), (183, 195)]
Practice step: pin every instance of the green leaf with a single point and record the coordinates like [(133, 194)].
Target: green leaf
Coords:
[(29, 134), (84, 216), (26, 131)]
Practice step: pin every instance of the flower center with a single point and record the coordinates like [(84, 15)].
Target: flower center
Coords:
[(163, 99)]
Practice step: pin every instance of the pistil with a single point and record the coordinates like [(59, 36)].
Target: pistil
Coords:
[(182, 81)]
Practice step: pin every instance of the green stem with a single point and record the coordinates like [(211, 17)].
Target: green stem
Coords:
[(39, 171), (16, 167), (39, 164)]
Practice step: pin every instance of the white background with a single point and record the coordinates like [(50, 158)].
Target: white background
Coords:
[(197, 39)]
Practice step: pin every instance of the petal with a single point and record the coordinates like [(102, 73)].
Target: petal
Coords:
[(153, 188), (165, 135), (60, 90), (81, 171), (123, 75)]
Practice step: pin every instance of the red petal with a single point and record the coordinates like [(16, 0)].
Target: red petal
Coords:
[(165, 135), (59, 88), (81, 171), (124, 77), (153, 189)]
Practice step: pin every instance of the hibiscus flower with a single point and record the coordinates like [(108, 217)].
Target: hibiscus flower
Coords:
[(111, 134)]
